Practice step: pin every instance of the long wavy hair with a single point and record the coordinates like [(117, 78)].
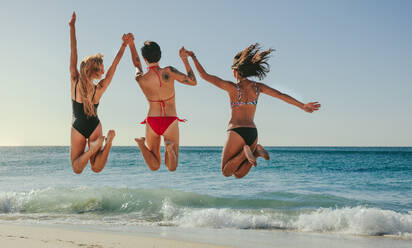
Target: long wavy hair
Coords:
[(251, 62), (89, 66)]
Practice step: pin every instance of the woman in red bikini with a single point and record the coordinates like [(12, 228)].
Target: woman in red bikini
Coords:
[(157, 85), (241, 148)]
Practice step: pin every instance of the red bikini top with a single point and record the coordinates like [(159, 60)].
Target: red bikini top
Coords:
[(162, 102)]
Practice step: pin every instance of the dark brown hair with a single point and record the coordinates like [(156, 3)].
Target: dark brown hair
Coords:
[(251, 62), (151, 51)]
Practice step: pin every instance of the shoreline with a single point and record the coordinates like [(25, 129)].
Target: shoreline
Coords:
[(18, 235), (71, 236)]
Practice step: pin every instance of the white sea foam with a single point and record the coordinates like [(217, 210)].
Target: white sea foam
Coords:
[(226, 218), (164, 207), (356, 220)]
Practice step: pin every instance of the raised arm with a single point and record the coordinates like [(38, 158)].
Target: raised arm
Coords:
[(308, 107), (135, 56), (74, 73), (223, 84), (188, 79), (105, 82)]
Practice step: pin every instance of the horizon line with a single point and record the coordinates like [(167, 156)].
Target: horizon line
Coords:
[(347, 146)]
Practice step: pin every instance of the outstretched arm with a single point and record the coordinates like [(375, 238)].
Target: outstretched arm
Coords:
[(225, 85), (308, 107), (188, 79), (74, 73), (105, 82), (135, 56)]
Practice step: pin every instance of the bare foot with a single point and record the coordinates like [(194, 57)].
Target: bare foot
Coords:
[(96, 145), (110, 136), (249, 155), (262, 152), (140, 140), (169, 146)]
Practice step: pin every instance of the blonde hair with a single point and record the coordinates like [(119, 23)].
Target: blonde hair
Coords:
[(88, 67)]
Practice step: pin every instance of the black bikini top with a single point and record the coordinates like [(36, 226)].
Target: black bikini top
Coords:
[(78, 109)]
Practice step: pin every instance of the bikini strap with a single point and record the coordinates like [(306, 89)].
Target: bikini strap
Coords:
[(157, 73), (256, 88), (162, 103), (95, 87), (162, 100), (239, 94), (75, 89)]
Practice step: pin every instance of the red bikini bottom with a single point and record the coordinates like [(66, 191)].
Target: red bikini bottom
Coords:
[(159, 124)]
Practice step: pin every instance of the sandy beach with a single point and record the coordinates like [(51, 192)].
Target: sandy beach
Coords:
[(43, 237)]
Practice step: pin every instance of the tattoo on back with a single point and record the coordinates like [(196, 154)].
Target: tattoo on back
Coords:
[(165, 76), (173, 69)]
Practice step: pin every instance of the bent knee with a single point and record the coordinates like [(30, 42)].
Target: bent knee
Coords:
[(227, 173), (77, 170), (237, 175), (154, 167), (96, 169), (172, 168)]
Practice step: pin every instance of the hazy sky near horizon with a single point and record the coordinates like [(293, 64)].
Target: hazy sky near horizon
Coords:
[(354, 57)]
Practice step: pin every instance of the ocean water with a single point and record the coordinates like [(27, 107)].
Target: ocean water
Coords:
[(339, 190)]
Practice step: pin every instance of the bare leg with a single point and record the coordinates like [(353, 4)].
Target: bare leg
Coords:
[(233, 154), (170, 156), (233, 164), (171, 140), (102, 155), (149, 157), (78, 156), (243, 170), (249, 155), (261, 152), (245, 167), (235, 147), (150, 148)]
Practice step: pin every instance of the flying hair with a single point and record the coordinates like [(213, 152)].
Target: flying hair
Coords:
[(251, 62)]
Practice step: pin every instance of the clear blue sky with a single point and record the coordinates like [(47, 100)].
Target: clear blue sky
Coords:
[(352, 56)]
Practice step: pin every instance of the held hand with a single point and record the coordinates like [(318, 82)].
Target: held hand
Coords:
[(73, 20), (182, 53), (131, 37), (310, 107), (125, 39), (190, 54)]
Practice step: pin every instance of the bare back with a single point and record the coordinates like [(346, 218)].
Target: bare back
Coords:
[(157, 91), (243, 112)]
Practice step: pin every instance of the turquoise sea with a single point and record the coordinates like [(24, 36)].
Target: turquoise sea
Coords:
[(351, 191)]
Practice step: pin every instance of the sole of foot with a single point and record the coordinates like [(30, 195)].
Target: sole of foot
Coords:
[(140, 140), (96, 144), (110, 136), (249, 155), (262, 152)]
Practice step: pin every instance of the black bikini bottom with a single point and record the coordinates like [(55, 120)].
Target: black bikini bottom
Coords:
[(249, 134), (86, 126)]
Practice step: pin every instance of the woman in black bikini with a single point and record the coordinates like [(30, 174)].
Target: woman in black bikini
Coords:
[(241, 148), (86, 95)]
